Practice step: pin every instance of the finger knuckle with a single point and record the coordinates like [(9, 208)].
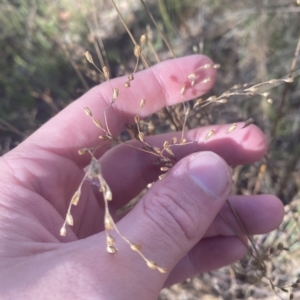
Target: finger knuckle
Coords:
[(171, 212)]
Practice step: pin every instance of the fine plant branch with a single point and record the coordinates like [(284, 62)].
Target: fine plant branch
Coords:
[(285, 91), (158, 29), (145, 63)]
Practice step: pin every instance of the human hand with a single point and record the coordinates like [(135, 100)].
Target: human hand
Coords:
[(176, 222)]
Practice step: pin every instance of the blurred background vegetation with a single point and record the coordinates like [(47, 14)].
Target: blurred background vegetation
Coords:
[(43, 68)]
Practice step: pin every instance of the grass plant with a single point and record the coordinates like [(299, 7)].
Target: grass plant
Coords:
[(251, 42)]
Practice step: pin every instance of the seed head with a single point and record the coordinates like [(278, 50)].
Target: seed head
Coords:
[(137, 51), (143, 40), (209, 135), (182, 141), (88, 111), (141, 136), (162, 270), (76, 197), (108, 223), (137, 119), (63, 231), (248, 122), (136, 247), (69, 219), (232, 128), (106, 72), (142, 103), (151, 264), (130, 77), (110, 240), (183, 89), (111, 249), (89, 57), (97, 123), (115, 94)]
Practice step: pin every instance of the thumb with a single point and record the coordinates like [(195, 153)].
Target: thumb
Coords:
[(176, 212)]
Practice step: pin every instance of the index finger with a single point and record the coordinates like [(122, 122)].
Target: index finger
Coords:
[(160, 85)]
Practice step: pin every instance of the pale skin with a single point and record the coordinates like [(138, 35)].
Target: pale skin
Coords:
[(176, 222)]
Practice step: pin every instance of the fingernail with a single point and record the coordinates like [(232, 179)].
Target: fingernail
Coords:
[(210, 173)]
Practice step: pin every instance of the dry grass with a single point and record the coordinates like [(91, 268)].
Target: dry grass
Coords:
[(253, 42)]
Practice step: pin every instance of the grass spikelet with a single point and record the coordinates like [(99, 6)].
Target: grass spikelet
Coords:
[(88, 111), (248, 122), (142, 103), (232, 128), (209, 135), (89, 57)]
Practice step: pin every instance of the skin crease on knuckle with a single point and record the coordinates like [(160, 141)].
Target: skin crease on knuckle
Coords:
[(175, 209)]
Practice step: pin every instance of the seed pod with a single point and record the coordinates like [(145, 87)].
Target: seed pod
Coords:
[(89, 57), (166, 144), (76, 197), (137, 119), (212, 99), (170, 152), (130, 77), (206, 80), (206, 66), (248, 122), (164, 169), (142, 103), (115, 94), (63, 231), (137, 51), (104, 137), (127, 84), (162, 270), (216, 66), (162, 176), (174, 140), (191, 76), (198, 102), (108, 195), (183, 89), (141, 136), (111, 249), (97, 123), (69, 219), (88, 111), (182, 141), (143, 39), (108, 224), (157, 150), (232, 128), (83, 151), (106, 72), (151, 264), (110, 240), (136, 247), (209, 135)]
